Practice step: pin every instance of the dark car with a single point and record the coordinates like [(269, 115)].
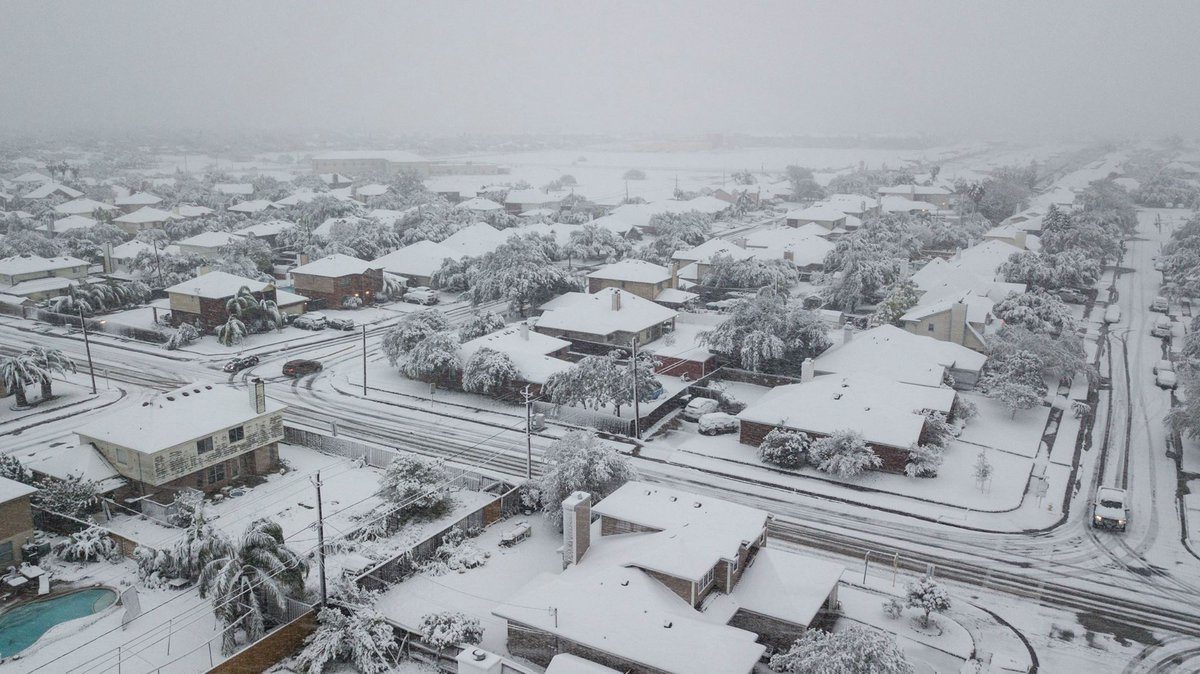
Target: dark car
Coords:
[(239, 364), (301, 368), (341, 323)]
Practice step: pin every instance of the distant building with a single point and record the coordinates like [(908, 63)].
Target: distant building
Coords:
[(83, 206), (644, 279), (51, 189), (336, 278), (16, 520), (207, 244), (38, 278), (136, 200), (146, 217), (695, 263), (379, 163), (418, 262), (609, 318), (825, 216), (940, 197)]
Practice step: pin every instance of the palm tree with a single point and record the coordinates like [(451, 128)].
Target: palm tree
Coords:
[(51, 361), (16, 371), (231, 331), (249, 577)]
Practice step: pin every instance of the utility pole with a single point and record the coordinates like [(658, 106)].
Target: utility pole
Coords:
[(87, 345), (528, 432), (157, 262), (637, 426), (320, 538), (364, 360)]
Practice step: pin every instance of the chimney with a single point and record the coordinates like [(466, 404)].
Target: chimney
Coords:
[(258, 395), (577, 527), (473, 660), (847, 333), (616, 300), (674, 271), (108, 265), (524, 331), (789, 255), (806, 370)]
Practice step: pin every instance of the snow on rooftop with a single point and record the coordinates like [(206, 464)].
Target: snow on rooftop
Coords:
[(780, 237), (234, 189), (146, 214), (422, 258), (705, 252), (175, 417), (32, 177), (535, 196), (210, 240), (81, 460), (28, 264), (336, 265), (475, 240), (297, 197), (268, 228), (899, 355), (817, 213), (252, 206), (11, 490), (529, 350), (918, 190), (636, 271), (785, 585), (372, 190), (395, 156), (216, 285), (885, 412), (481, 205), (565, 663), (895, 204), (191, 211), (48, 189), (683, 343), (138, 199), (70, 222), (82, 206), (130, 250), (594, 314), (851, 203)]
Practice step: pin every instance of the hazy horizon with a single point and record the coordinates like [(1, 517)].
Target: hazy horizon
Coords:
[(1027, 70)]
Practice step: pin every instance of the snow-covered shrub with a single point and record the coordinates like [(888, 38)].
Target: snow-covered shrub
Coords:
[(1016, 396), (415, 486), (579, 461), (186, 334), (893, 609), (457, 553), (786, 449), (982, 470), (850, 651), (937, 431), (12, 469), (962, 410), (231, 331), (185, 508), (450, 628), (923, 461), (72, 496), (352, 302), (154, 566), (844, 453), (1080, 409), (89, 545), (489, 372), (359, 636), (928, 596)]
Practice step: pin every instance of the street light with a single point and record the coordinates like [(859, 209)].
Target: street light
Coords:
[(87, 345)]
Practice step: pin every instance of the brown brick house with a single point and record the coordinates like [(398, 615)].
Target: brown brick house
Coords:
[(609, 318), (201, 301), (336, 277), (644, 279), (16, 520)]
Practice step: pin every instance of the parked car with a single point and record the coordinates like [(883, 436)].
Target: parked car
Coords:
[(1162, 327), (1112, 314), (1160, 305), (1164, 365), (341, 323), (301, 368), (311, 321), (1159, 265), (1166, 379), (239, 364), (698, 407), (717, 423), (1110, 510), (421, 295), (1072, 296)]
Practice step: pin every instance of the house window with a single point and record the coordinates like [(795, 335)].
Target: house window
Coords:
[(707, 579), (204, 445), (216, 473), (237, 434), (930, 327), (6, 553)]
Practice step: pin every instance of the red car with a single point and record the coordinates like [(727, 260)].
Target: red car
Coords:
[(300, 368)]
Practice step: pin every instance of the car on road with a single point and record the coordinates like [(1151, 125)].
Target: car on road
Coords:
[(311, 321), (421, 295), (717, 423), (1162, 327), (301, 368), (340, 323), (239, 364), (1110, 511), (1162, 365), (698, 407), (1112, 314), (1072, 296), (1160, 305), (1166, 379)]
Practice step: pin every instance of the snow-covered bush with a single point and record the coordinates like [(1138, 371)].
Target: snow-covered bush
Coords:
[(844, 453), (479, 325), (786, 449), (1016, 396), (852, 651), (937, 431), (415, 486), (352, 302), (89, 545), (12, 469), (231, 331), (457, 553), (923, 461), (982, 470), (358, 635), (1080, 409), (489, 372), (579, 461), (928, 596), (962, 410), (154, 566), (893, 609), (186, 506), (186, 334), (433, 359), (72, 496), (450, 628)]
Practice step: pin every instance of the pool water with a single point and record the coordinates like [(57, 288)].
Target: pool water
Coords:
[(25, 624)]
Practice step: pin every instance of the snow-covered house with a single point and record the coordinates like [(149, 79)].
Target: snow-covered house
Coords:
[(207, 244), (251, 206), (536, 356), (418, 262), (897, 204), (519, 201), (16, 520), (475, 240), (146, 217), (32, 178), (191, 211), (695, 263), (481, 205), (234, 189), (889, 414), (201, 301), (899, 355), (668, 581), (203, 436), (132, 202), (825, 216), (51, 189), (338, 279), (644, 279), (1013, 235), (365, 192), (121, 257), (82, 206), (267, 231), (964, 318), (39, 278), (69, 223), (596, 322), (681, 353), (857, 205), (805, 251), (940, 197)]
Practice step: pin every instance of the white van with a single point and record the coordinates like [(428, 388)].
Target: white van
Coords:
[(1112, 314)]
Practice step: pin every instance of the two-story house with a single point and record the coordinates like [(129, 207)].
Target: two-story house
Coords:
[(202, 436), (645, 279), (39, 278), (336, 278)]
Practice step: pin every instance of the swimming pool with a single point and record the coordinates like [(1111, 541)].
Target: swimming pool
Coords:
[(25, 624)]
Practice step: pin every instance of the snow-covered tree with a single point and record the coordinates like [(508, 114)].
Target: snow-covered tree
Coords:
[(786, 449), (250, 577), (578, 461), (521, 271), (184, 335), (456, 554), (356, 634), (1023, 368), (1016, 396), (411, 330), (433, 359), (200, 543), (673, 232), (89, 545), (11, 468), (1024, 356), (982, 469), (154, 566), (843, 453), (927, 595), (50, 361), (725, 273), (18, 372), (937, 430), (416, 486), (1051, 271), (593, 242), (903, 296), (1184, 417), (450, 628), (231, 332), (923, 460), (1036, 311), (769, 334), (856, 650), (480, 324), (489, 372), (71, 496), (598, 381)]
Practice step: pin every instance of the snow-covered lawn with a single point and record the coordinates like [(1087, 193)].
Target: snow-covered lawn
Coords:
[(943, 647), (997, 427)]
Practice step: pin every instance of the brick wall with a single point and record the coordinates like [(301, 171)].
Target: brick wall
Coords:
[(539, 647), (679, 586), (269, 650), (677, 367), (334, 290), (771, 631), (610, 526), (16, 524)]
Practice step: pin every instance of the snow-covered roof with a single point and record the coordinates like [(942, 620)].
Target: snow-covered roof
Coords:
[(528, 350), (234, 189), (372, 190), (899, 355), (987, 256), (683, 343), (851, 203), (565, 663), (395, 156), (918, 190), (817, 213), (705, 252), (779, 237), (284, 298), (422, 258), (593, 314), (29, 264), (48, 189), (11, 490), (210, 240), (146, 214), (334, 178), (32, 177), (252, 206), (82, 206), (217, 285), (40, 285), (786, 586), (389, 216), (885, 412), (559, 230), (538, 213), (894, 204), (636, 271), (297, 197), (614, 223), (932, 303), (534, 196), (475, 240), (190, 211), (268, 228), (81, 460), (70, 222), (325, 229), (674, 296), (336, 265), (481, 205), (130, 250), (175, 417), (138, 199)]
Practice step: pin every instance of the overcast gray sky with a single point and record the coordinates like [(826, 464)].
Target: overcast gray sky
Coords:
[(948, 68)]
